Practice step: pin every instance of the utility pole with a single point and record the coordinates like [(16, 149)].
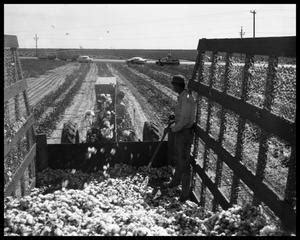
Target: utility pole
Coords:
[(242, 33), (253, 12), (36, 39)]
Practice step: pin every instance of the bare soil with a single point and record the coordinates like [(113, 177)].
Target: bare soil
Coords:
[(137, 105)]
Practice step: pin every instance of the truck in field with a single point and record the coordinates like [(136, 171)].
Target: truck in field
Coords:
[(167, 61), (136, 60), (85, 59)]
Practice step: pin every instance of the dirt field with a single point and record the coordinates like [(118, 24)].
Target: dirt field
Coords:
[(42, 85), (84, 100), (137, 105)]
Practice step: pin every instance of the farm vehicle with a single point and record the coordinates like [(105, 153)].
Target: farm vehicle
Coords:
[(103, 124), (167, 61)]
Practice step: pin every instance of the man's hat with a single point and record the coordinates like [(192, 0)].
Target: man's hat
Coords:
[(178, 79)]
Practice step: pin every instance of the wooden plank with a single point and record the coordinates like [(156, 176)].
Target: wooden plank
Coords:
[(197, 72), (25, 181), (266, 120), (281, 208), (41, 152), (19, 134), (205, 161), (63, 156), (263, 139), (15, 89), (10, 41), (9, 188), (290, 190), (219, 167), (235, 186), (278, 46), (218, 196), (29, 134), (30, 186), (194, 197)]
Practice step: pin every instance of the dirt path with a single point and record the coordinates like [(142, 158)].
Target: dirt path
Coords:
[(137, 106), (85, 99)]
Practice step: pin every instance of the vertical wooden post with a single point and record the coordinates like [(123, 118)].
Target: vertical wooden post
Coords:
[(263, 143), (198, 76), (219, 167), (42, 154), (205, 160), (235, 186)]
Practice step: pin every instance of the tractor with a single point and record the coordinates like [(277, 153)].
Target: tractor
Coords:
[(103, 124)]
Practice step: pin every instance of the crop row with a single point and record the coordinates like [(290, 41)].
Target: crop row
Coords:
[(162, 104), (48, 100), (103, 70), (35, 68), (48, 124)]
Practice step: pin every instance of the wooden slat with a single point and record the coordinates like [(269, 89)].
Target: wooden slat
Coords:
[(266, 195), (278, 46), (205, 160), (15, 89), (197, 69), (19, 134), (199, 60), (29, 134), (25, 181), (219, 165), (41, 152), (33, 183), (268, 102), (30, 186), (211, 186), (241, 127), (9, 188), (290, 190), (10, 41), (266, 120)]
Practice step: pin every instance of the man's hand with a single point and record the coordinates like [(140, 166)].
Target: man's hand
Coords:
[(167, 130), (171, 117)]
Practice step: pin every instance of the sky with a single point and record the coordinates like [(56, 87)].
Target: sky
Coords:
[(142, 26)]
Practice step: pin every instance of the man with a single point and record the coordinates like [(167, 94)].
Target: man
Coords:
[(185, 116)]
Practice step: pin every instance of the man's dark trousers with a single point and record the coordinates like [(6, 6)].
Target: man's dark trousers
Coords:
[(182, 146)]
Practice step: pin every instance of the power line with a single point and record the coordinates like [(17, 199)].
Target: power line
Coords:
[(36, 39), (253, 12), (242, 33)]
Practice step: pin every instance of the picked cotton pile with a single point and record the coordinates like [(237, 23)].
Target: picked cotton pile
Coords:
[(119, 203)]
